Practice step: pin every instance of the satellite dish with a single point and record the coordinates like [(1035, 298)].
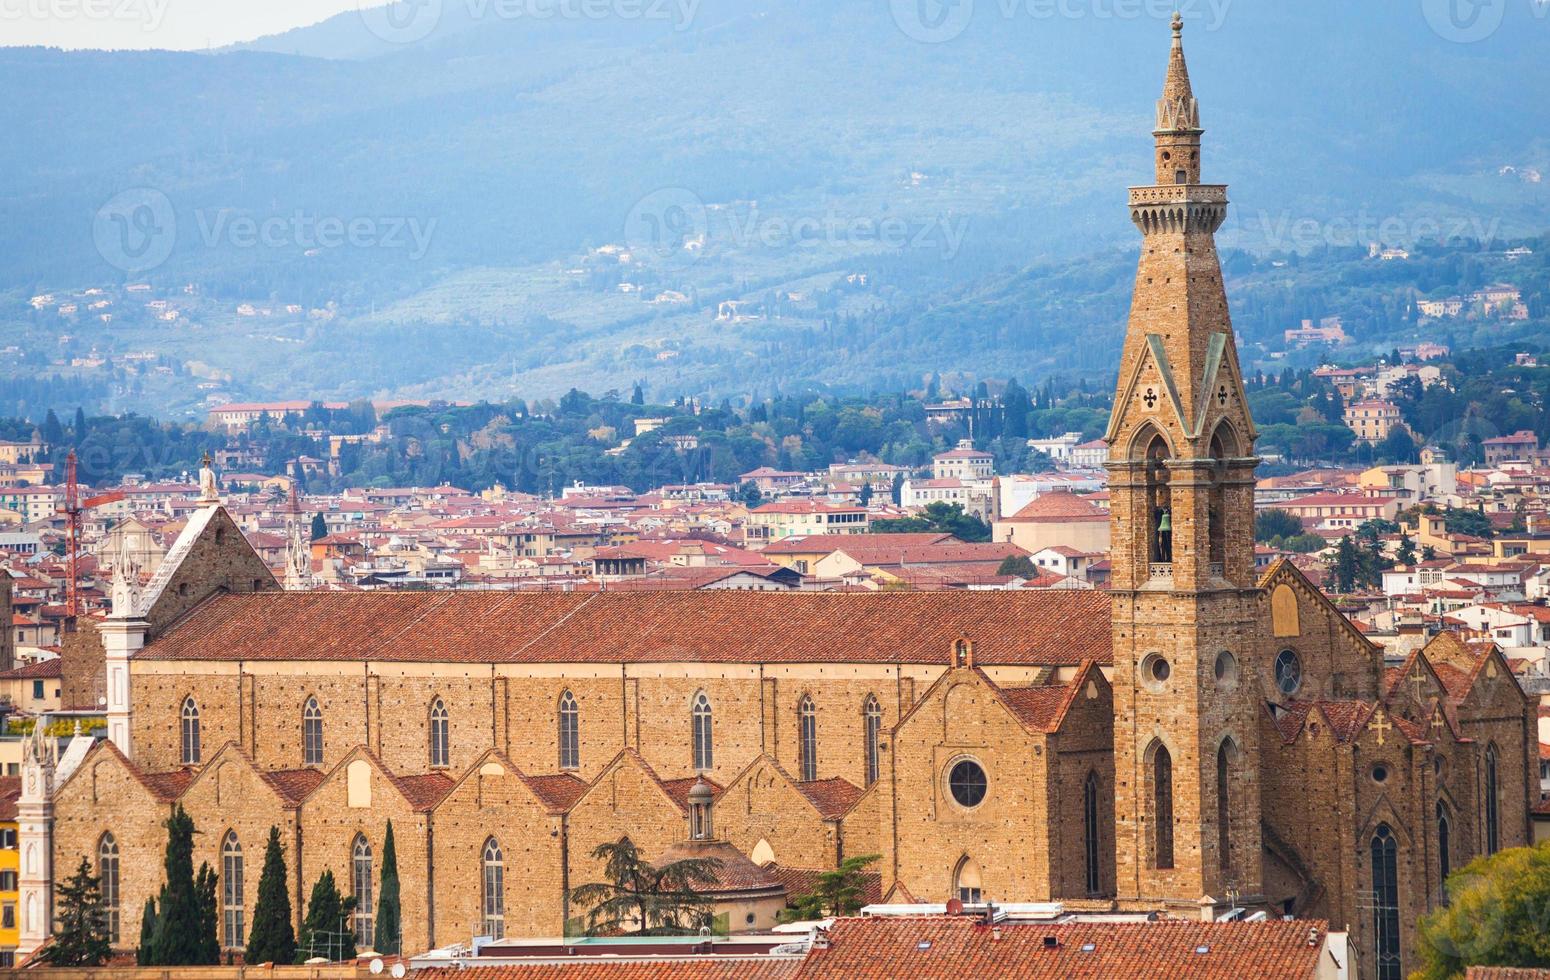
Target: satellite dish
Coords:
[(398, 971), (376, 967)]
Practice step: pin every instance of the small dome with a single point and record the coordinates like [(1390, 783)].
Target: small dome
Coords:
[(701, 792)]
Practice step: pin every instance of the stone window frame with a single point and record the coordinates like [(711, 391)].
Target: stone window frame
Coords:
[(108, 883), (568, 727), (1385, 904), (1491, 799), (1159, 802), (311, 732), (807, 738), (189, 731), (232, 931), (493, 889), (362, 867), (872, 729), (702, 731), (1092, 827), (440, 740), (1301, 677), (947, 780)]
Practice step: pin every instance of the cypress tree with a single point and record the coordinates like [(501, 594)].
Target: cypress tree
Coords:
[(208, 944), (272, 938), (81, 938), (327, 930), (147, 933), (177, 926), (389, 936), (319, 526)]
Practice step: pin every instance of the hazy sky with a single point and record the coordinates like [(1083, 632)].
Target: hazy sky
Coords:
[(177, 24)]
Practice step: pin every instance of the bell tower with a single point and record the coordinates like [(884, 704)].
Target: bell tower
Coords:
[(1185, 602)]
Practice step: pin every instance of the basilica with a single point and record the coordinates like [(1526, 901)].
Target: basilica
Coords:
[(1202, 737)]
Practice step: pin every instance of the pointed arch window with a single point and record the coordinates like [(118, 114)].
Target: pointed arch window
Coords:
[(570, 731), (703, 758), (107, 874), (360, 881), (1385, 911), (441, 745), (807, 727), (190, 718), (494, 890), (231, 892), (1492, 827), (966, 882), (1090, 831), (311, 733), (1444, 854), (872, 720), (1224, 758), (1162, 808)]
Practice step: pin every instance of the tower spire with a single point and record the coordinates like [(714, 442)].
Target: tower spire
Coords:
[(1178, 119)]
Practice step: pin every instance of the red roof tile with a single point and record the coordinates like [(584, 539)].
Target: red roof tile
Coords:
[(801, 881), (906, 948), (558, 792), (293, 785), (1023, 627), (1060, 507), (833, 797), (598, 968)]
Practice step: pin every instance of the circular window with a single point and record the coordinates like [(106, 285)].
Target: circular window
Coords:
[(1380, 773), (966, 781), (1226, 669), (1288, 672)]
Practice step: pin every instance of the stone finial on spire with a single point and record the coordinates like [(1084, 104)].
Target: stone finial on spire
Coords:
[(1177, 110), (126, 581)]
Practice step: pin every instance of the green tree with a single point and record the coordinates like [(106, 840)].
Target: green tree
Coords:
[(81, 933), (940, 517), (177, 939), (1494, 916), (749, 494), (327, 931), (1018, 566), (147, 933), (272, 938), (209, 939), (837, 892), (638, 396), (1406, 552), (1273, 523), (897, 493), (319, 527), (865, 496), (389, 936), (657, 901), (1348, 566)]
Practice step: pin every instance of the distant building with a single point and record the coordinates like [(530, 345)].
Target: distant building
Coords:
[(1329, 331), (1519, 445), (1373, 420)]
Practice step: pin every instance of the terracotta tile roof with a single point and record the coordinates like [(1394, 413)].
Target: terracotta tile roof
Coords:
[(558, 792), (293, 785), (1041, 707), (801, 881), (1506, 973), (598, 968), (10, 791), (167, 786), (807, 544), (736, 873), (41, 670), (833, 797), (1060, 507), (425, 790), (935, 947), (1024, 627), (679, 789)]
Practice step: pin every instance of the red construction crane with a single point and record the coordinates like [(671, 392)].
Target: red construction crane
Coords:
[(73, 507)]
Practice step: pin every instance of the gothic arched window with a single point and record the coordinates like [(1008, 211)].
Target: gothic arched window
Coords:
[(1224, 758), (107, 874), (966, 882), (807, 728), (311, 733), (494, 890), (1444, 843), (570, 730), (441, 745), (1090, 831), (190, 732), (1159, 502), (1162, 808), (231, 891), (703, 758), (360, 882), (1492, 828), (872, 719), (1385, 906)]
